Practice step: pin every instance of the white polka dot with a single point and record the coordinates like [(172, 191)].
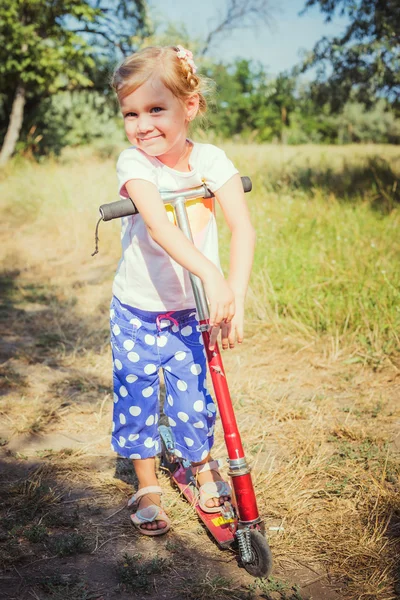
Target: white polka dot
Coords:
[(175, 328), (133, 356), (123, 391), (135, 322), (118, 364), (195, 369), (116, 398), (156, 418), (128, 344), (168, 369), (209, 433), (189, 441), (171, 422), (122, 419), (180, 355), (113, 427), (116, 329), (112, 313), (135, 410), (186, 330), (198, 405), (198, 425), (193, 314), (149, 339), (183, 416), (178, 453), (201, 338), (211, 407), (122, 441), (147, 392), (204, 455), (164, 323), (156, 445), (150, 420), (161, 341), (135, 455), (150, 369), (133, 437), (170, 400), (182, 385), (131, 378), (148, 442)]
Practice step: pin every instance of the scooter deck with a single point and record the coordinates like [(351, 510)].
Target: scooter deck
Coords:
[(220, 528)]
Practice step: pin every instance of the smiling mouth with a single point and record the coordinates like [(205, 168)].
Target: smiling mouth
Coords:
[(154, 137)]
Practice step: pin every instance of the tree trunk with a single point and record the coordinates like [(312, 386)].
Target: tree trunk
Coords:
[(14, 126)]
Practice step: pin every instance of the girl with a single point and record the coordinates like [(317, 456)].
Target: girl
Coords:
[(153, 319)]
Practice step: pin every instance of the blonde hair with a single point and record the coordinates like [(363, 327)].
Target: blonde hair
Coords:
[(176, 74)]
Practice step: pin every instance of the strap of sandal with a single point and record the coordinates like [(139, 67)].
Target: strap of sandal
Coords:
[(212, 465), (150, 489)]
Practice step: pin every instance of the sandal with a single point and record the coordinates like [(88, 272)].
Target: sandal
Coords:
[(211, 489), (150, 513)]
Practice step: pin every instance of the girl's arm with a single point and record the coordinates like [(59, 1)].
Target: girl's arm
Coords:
[(175, 243), (234, 207)]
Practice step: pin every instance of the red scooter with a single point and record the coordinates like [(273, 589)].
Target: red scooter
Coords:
[(238, 524)]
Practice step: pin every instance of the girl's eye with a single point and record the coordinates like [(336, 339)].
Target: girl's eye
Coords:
[(156, 109), (130, 114)]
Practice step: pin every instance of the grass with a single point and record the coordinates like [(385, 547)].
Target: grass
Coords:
[(135, 573), (314, 384)]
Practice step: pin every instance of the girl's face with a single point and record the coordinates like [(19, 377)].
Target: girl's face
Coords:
[(156, 121)]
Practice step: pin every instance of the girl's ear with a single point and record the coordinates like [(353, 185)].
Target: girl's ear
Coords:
[(192, 106)]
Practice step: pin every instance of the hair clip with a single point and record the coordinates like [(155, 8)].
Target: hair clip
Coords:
[(187, 56)]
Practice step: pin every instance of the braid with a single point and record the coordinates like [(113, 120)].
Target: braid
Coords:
[(191, 78)]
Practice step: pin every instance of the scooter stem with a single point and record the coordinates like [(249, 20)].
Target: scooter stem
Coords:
[(239, 469)]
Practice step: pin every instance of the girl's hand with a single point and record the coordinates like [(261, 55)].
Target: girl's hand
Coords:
[(231, 332), (220, 297)]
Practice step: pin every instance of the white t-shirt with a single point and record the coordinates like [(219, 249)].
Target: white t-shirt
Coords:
[(147, 277)]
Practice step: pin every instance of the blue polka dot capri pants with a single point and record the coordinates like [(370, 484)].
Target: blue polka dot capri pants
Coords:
[(143, 342)]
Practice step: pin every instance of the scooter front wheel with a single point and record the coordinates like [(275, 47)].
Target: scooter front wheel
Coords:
[(260, 564)]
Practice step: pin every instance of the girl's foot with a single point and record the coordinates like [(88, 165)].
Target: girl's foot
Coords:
[(149, 518), (207, 472)]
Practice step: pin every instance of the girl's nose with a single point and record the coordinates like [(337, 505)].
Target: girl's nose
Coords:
[(144, 124)]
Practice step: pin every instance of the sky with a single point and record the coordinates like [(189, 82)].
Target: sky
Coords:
[(278, 46)]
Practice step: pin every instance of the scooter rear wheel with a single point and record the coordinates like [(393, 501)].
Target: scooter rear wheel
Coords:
[(261, 563)]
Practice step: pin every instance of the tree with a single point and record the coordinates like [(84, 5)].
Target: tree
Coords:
[(253, 104), (51, 45), (363, 62)]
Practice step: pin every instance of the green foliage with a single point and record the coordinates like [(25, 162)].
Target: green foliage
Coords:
[(252, 106), (249, 103), (379, 124), (37, 49), (363, 62), (70, 119)]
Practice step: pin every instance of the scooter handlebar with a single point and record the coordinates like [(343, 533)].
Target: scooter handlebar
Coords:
[(124, 208)]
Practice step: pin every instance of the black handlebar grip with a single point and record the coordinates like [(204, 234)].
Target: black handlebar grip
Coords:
[(247, 185), (120, 208)]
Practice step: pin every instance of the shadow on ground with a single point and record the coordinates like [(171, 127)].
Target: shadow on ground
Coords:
[(40, 325), (376, 181), (67, 541)]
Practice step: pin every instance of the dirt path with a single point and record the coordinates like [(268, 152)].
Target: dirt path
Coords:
[(320, 429)]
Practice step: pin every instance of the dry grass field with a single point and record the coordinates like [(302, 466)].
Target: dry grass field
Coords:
[(315, 385)]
